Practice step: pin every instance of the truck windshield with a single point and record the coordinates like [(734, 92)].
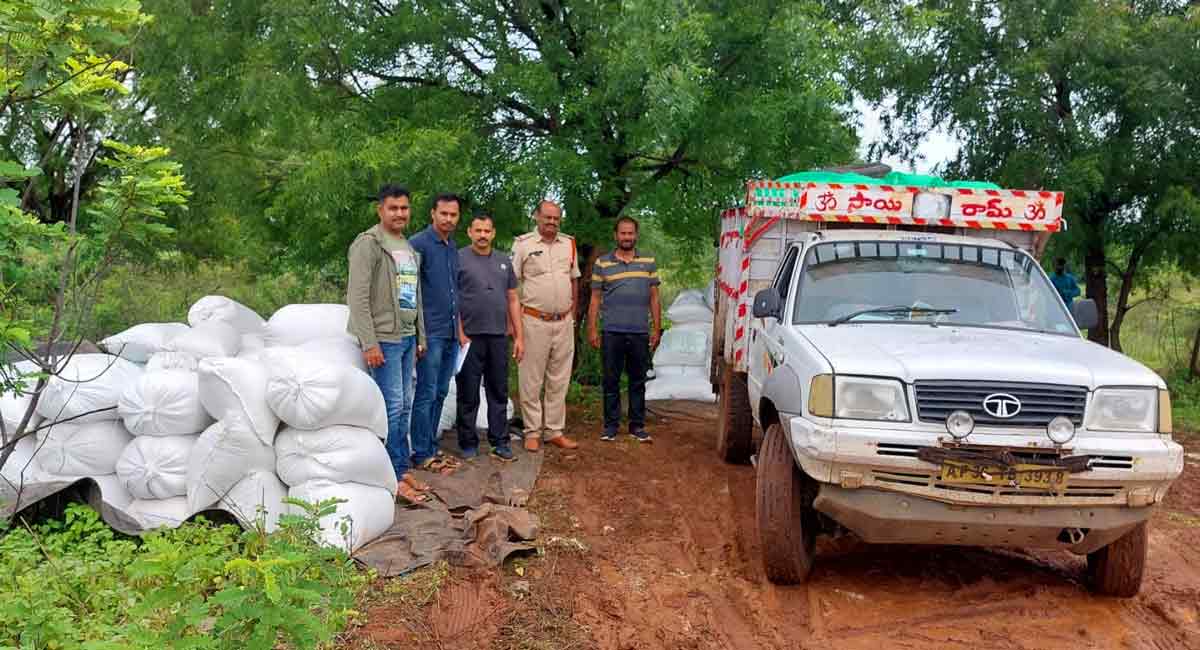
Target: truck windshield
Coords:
[(949, 284)]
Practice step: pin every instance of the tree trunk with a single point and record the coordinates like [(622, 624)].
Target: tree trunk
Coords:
[(1114, 333), (1096, 278), (1194, 362)]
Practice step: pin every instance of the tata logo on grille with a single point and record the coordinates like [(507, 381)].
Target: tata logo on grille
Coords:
[(1001, 405)]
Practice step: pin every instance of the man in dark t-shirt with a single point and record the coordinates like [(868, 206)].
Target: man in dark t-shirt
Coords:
[(489, 310), (625, 298)]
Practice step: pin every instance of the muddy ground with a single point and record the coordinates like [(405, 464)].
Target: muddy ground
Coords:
[(654, 546)]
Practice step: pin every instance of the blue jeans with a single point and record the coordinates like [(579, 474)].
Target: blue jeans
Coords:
[(395, 380), (434, 371)]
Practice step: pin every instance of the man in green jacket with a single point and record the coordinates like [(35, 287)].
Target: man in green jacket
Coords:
[(384, 296)]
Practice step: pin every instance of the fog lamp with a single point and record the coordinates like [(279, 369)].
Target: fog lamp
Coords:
[(1061, 429), (960, 424)]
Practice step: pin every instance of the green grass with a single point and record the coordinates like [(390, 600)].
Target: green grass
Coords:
[(1159, 333)]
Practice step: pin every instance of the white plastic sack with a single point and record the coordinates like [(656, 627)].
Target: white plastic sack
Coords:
[(88, 449), (19, 470), (336, 350), (164, 403), (259, 494), (688, 344), (223, 455), (312, 394), (156, 467), (238, 388), (680, 383), (297, 324), (338, 454), (448, 421), (139, 342), (208, 339), (159, 513), (367, 513), (13, 406), (710, 295), (172, 361), (254, 342), (87, 384), (225, 310), (689, 307)]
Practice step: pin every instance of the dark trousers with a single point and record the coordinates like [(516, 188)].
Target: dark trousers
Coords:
[(487, 359), (625, 353)]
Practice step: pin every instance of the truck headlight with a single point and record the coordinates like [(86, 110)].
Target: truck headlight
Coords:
[(1123, 409), (866, 398)]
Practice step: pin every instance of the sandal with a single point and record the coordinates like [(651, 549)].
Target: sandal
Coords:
[(414, 483), (438, 465), (406, 493), (453, 461)]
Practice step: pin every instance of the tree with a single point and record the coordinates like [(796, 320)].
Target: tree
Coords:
[(1096, 98), (612, 106), (61, 64)]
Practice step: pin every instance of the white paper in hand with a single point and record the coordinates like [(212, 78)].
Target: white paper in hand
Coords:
[(462, 357)]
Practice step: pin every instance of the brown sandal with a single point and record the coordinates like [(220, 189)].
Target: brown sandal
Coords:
[(438, 465), (406, 493)]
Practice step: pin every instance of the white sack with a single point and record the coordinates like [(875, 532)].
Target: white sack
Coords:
[(336, 350), (19, 470), (258, 494), (139, 342), (680, 383), (13, 406), (449, 418), (689, 307), (297, 324), (338, 454), (238, 388), (156, 467), (225, 310), (166, 360), (113, 492), (159, 513), (367, 513), (164, 403), (253, 342), (209, 339), (88, 449), (688, 344), (87, 383), (710, 295), (223, 455), (312, 394)]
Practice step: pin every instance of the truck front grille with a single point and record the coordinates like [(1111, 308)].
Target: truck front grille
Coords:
[(1040, 403)]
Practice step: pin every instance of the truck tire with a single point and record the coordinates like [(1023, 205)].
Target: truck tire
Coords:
[(787, 528), (735, 424), (1116, 569)]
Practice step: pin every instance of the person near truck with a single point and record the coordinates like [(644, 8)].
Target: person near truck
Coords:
[(488, 309), (1064, 282), (548, 281), (625, 300), (439, 293), (384, 296)]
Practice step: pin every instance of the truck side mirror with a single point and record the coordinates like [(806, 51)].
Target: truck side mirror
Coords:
[(1085, 313), (767, 304)]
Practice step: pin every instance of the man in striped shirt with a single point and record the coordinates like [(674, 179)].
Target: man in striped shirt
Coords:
[(625, 299)]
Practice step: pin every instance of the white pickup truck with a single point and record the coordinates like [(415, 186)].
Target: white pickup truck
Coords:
[(918, 380)]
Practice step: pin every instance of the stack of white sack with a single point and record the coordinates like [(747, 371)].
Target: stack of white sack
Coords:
[(682, 360), (343, 462), (449, 418), (195, 427)]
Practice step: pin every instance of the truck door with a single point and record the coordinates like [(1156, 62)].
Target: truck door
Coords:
[(766, 347)]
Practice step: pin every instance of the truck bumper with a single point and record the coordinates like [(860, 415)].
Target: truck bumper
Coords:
[(883, 517)]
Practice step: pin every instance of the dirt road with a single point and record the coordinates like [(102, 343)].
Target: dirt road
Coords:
[(653, 546)]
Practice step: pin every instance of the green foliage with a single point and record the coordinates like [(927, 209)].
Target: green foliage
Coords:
[(75, 583)]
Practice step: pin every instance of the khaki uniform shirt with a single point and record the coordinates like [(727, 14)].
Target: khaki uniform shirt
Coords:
[(544, 271)]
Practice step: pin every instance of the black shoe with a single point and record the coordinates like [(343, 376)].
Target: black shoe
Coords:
[(503, 454), (608, 436), (641, 436)]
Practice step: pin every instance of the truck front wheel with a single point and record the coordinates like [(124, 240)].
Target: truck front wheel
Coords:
[(735, 425), (1116, 569), (787, 523)]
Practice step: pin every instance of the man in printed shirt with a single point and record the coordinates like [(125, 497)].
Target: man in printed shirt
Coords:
[(548, 278), (384, 297), (625, 297)]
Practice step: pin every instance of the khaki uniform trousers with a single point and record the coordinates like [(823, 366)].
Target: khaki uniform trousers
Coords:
[(549, 352)]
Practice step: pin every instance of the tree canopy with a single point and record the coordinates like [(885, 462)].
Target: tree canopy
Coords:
[(1099, 99)]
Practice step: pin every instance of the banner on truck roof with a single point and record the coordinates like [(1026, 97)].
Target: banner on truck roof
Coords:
[(896, 205)]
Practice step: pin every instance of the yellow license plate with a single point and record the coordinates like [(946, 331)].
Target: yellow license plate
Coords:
[(1026, 476)]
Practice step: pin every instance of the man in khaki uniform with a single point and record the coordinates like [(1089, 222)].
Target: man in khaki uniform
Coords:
[(548, 275)]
